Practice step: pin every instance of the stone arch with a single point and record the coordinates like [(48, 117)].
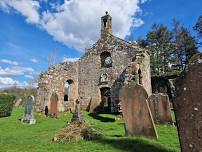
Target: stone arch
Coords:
[(54, 103), (105, 104), (68, 89), (106, 60)]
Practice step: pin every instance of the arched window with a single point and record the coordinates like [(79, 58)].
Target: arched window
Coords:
[(106, 60), (68, 89), (140, 76), (65, 97)]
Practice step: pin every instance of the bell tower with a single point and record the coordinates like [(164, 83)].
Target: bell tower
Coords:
[(106, 24)]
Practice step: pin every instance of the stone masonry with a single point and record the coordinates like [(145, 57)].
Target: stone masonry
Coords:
[(188, 106), (97, 77)]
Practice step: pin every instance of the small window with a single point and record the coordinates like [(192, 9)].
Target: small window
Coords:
[(65, 97), (140, 76)]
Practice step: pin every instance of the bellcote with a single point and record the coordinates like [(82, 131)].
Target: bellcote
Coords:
[(106, 24)]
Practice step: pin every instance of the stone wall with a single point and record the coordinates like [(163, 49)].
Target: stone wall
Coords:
[(122, 54), (52, 81), (90, 76)]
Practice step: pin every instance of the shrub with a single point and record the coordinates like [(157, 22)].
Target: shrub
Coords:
[(6, 104)]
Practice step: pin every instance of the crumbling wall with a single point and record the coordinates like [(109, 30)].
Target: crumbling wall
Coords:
[(53, 81)]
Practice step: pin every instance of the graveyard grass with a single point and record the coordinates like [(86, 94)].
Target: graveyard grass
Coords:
[(16, 137)]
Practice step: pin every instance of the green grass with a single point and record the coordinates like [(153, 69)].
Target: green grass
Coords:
[(16, 137)]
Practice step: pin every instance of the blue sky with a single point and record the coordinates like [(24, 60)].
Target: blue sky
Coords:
[(30, 30)]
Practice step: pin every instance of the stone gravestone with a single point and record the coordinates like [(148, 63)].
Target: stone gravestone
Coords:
[(136, 113), (160, 108), (188, 108), (77, 116), (18, 102), (28, 116)]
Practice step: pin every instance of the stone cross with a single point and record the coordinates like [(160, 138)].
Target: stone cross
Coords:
[(77, 116)]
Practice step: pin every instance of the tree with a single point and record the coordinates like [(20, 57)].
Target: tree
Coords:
[(185, 43), (198, 28), (160, 46)]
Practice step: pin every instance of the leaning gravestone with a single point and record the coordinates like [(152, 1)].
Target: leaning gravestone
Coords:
[(136, 113), (18, 102), (188, 107), (160, 108), (28, 116)]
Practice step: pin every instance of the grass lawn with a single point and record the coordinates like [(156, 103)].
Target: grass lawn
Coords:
[(16, 137)]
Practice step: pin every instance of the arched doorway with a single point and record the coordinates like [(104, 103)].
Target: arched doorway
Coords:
[(106, 99), (68, 90), (53, 103)]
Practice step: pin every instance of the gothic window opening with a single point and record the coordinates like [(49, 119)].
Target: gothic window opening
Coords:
[(140, 76), (65, 97), (68, 89), (106, 60)]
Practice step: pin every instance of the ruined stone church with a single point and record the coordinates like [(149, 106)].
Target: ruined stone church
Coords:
[(96, 78)]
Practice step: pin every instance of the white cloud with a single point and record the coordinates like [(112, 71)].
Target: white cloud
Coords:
[(5, 61), (66, 59), (7, 81), (29, 76), (77, 22), (28, 8), (34, 60), (15, 71)]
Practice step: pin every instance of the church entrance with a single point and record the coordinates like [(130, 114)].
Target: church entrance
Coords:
[(106, 99), (54, 103)]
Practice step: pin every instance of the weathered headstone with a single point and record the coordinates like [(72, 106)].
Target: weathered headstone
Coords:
[(160, 108), (18, 102), (188, 107), (77, 116), (28, 116), (136, 113)]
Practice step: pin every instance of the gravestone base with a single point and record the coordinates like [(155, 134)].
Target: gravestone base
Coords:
[(28, 119), (77, 117)]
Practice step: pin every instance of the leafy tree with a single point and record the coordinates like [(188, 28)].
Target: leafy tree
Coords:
[(160, 46), (198, 28), (185, 43)]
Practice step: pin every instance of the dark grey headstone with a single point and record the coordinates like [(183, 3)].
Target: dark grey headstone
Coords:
[(28, 116), (29, 105)]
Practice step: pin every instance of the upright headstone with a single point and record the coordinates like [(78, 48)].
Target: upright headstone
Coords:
[(28, 116), (136, 113), (160, 108), (188, 107)]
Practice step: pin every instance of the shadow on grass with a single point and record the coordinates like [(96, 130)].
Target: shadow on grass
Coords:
[(101, 118), (132, 145)]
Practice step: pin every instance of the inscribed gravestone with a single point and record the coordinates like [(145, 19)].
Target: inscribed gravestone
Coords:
[(160, 108), (28, 116), (188, 108), (136, 113)]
